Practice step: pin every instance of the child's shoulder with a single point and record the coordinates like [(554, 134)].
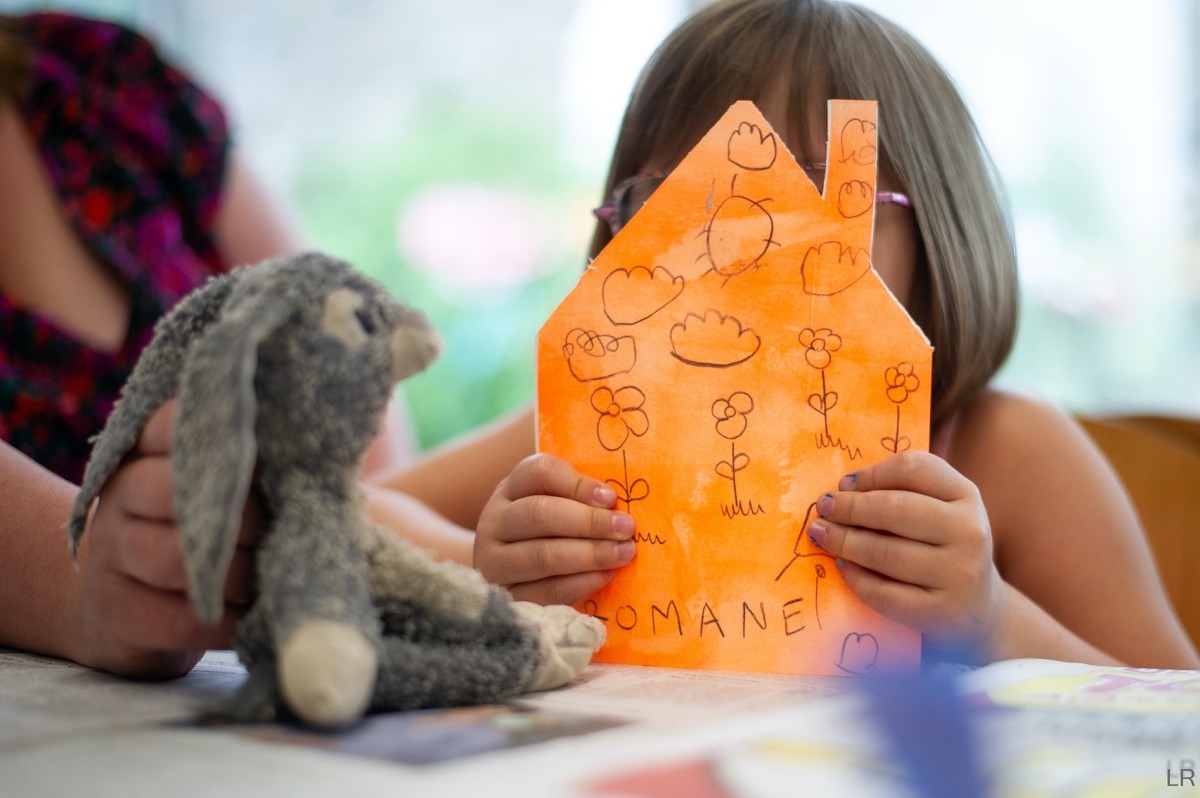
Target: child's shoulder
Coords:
[(1005, 421), (1011, 444), (1006, 417), (1023, 452)]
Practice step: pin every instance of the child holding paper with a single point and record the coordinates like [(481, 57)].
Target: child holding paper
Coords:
[(1014, 538)]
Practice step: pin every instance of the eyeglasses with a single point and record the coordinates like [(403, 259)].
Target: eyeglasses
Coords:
[(631, 194), (627, 199)]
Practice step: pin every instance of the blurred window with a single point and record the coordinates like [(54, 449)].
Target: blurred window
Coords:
[(454, 150)]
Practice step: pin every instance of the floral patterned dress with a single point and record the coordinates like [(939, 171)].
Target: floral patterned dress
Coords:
[(136, 153)]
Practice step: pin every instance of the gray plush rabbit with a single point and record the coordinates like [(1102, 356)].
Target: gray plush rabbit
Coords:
[(284, 371)]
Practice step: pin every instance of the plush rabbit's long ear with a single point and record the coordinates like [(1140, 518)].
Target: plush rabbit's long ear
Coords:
[(214, 450), (154, 380)]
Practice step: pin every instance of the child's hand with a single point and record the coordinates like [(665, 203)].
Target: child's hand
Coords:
[(914, 543), (136, 619), (548, 533)]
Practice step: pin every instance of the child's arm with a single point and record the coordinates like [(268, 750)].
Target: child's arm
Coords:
[(1070, 576), (457, 480), (528, 522), (124, 609)]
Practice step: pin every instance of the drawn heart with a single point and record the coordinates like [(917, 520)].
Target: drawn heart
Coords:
[(859, 652), (894, 445), (823, 404), (638, 490)]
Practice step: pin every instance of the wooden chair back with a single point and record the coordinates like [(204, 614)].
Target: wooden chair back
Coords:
[(1158, 459)]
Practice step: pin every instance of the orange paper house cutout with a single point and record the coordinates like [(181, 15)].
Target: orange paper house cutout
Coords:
[(722, 363)]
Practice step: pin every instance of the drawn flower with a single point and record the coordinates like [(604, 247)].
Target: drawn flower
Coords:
[(731, 414), (818, 346), (901, 381), (621, 415)]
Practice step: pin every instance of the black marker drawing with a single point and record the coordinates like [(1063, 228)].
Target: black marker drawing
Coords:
[(633, 295), (738, 234), (590, 607), (713, 340), (751, 148), (595, 356), (621, 415), (819, 346), (731, 424), (820, 574), (855, 197), (901, 381), (832, 268), (859, 653), (802, 551), (858, 142)]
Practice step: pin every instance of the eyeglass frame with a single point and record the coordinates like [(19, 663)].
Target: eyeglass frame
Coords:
[(609, 212)]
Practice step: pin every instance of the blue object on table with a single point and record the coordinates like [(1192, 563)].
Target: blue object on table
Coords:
[(929, 731)]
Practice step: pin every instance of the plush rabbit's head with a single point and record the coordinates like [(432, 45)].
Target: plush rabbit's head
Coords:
[(293, 379), (317, 343)]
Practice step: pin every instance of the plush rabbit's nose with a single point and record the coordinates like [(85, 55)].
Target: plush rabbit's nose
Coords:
[(414, 346)]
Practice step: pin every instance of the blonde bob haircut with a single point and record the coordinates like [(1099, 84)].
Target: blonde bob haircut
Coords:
[(790, 57)]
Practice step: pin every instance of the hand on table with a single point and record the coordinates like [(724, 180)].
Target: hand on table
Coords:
[(550, 535), (135, 615)]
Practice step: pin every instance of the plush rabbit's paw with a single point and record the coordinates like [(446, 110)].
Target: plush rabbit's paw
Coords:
[(327, 673), (568, 640)]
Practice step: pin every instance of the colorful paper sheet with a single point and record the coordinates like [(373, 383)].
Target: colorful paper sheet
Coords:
[(722, 363)]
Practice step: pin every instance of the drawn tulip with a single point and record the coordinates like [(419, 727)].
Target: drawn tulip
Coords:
[(900, 381), (730, 414), (620, 416), (819, 346)]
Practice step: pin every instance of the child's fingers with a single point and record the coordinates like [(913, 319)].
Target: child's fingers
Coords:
[(895, 557), (534, 560), (562, 589), (544, 474), (917, 472), (535, 517), (902, 602), (910, 515)]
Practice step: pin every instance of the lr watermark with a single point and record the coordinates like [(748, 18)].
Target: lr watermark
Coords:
[(1181, 774)]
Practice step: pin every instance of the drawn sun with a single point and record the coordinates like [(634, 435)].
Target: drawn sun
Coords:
[(738, 234)]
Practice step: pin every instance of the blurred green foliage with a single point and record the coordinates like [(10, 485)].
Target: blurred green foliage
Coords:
[(348, 202)]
